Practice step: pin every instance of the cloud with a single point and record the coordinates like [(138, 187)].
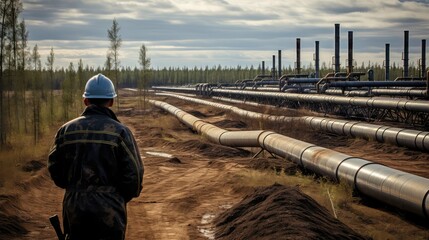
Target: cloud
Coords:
[(231, 32)]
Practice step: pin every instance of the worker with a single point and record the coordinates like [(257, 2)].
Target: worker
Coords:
[(96, 160)]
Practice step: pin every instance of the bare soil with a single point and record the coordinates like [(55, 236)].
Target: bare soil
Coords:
[(207, 191)]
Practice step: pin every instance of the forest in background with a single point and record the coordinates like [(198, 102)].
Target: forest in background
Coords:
[(35, 96)]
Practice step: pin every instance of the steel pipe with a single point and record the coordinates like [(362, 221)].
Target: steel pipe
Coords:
[(377, 84), (380, 103), (396, 188), (410, 138)]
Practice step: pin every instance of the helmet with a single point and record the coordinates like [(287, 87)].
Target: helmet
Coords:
[(99, 86)]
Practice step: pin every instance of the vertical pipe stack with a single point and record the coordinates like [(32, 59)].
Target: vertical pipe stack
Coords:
[(280, 63), (350, 53), (405, 58), (423, 67), (317, 60), (298, 56), (263, 67), (337, 48), (273, 72), (387, 62)]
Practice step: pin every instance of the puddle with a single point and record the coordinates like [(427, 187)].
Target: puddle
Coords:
[(208, 231), (226, 206), (160, 154), (207, 218)]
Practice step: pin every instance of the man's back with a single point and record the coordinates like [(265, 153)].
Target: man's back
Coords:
[(95, 158)]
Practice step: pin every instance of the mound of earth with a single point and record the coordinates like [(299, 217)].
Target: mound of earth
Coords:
[(280, 212), (10, 222), (11, 226), (33, 165)]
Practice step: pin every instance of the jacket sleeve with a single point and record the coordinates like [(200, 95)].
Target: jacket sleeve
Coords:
[(131, 168), (56, 163)]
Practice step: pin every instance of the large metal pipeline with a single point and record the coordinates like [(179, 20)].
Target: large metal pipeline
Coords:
[(359, 84), (409, 138), (402, 92), (371, 102), (397, 188), (378, 103)]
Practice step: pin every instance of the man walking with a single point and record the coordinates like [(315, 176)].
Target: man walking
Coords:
[(96, 160)]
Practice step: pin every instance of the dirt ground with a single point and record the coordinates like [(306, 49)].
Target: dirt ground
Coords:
[(194, 189)]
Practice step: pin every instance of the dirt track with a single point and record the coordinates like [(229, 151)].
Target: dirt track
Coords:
[(185, 194)]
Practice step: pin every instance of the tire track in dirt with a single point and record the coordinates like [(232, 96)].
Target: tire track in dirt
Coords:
[(175, 198), (40, 200)]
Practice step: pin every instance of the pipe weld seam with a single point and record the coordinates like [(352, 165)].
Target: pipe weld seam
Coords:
[(342, 161), (375, 137), (351, 133), (396, 137), (424, 205), (344, 125), (423, 142), (263, 140), (221, 136), (302, 153), (382, 134), (397, 104), (357, 172)]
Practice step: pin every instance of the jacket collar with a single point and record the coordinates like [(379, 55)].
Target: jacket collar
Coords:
[(98, 110)]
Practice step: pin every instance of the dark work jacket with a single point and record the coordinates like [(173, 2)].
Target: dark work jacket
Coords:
[(96, 159)]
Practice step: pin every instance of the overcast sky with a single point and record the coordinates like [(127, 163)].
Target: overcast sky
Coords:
[(228, 32)]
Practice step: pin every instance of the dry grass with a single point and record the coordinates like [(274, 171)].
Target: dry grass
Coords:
[(22, 150)]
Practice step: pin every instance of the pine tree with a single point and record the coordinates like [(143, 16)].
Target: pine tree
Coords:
[(115, 44)]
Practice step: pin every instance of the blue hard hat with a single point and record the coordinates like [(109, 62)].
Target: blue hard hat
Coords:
[(99, 86)]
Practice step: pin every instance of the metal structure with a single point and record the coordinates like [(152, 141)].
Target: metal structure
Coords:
[(387, 62), (280, 62), (350, 53), (406, 53), (359, 98), (317, 59), (369, 108), (423, 60), (337, 48), (298, 56), (402, 190)]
